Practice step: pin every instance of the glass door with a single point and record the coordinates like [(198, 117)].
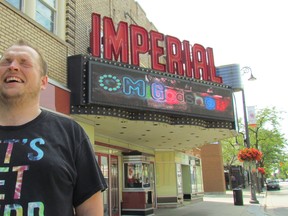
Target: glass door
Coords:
[(109, 168), (103, 163), (114, 187)]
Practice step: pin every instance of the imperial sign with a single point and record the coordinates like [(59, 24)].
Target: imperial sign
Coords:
[(181, 58)]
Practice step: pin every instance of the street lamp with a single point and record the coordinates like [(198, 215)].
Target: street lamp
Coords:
[(245, 70)]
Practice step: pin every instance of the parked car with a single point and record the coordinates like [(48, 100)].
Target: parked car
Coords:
[(273, 184)]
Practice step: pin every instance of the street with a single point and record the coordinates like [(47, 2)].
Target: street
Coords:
[(271, 203), (277, 201)]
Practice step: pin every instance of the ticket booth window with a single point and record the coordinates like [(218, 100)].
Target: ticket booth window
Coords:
[(137, 175)]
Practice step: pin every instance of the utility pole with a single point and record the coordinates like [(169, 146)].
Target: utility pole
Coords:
[(253, 198)]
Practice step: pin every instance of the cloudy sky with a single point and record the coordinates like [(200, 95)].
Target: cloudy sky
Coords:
[(250, 33)]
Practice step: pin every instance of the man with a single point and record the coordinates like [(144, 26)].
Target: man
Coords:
[(47, 165)]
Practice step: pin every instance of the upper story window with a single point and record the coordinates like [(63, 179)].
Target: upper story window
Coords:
[(46, 13), (16, 3)]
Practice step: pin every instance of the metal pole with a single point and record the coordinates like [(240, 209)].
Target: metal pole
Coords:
[(253, 198)]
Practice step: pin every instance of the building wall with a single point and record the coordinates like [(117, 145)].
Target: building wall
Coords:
[(213, 169), (78, 19), (15, 25), (166, 174)]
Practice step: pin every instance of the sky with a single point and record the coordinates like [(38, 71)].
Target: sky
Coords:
[(250, 33)]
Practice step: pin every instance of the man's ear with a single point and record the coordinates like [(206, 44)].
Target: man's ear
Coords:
[(44, 82)]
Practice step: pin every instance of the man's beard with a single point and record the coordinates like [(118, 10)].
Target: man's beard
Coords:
[(17, 99)]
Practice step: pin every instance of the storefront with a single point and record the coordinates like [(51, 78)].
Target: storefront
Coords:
[(160, 115), (179, 178)]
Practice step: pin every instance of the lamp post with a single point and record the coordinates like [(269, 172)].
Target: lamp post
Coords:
[(253, 198)]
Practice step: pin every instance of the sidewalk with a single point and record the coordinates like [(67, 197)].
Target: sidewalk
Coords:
[(219, 205)]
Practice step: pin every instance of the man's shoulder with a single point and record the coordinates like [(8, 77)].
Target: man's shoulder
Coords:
[(62, 122), (60, 118)]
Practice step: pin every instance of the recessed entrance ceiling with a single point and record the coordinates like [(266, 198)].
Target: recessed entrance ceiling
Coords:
[(154, 135)]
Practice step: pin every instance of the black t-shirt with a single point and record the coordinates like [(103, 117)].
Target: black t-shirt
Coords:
[(47, 167)]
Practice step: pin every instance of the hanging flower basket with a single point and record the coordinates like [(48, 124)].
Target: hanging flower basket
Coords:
[(249, 155), (261, 170)]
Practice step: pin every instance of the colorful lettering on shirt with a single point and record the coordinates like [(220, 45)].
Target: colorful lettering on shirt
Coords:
[(13, 208), (2, 182), (35, 153), (8, 153), (20, 171), (17, 210), (35, 205), (40, 153)]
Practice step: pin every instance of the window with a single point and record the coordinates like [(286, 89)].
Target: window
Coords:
[(46, 13), (137, 175), (15, 3)]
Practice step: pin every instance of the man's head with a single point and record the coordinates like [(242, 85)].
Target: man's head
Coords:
[(42, 61), (22, 73)]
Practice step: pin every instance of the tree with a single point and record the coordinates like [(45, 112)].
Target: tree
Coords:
[(229, 150), (265, 136), (284, 167)]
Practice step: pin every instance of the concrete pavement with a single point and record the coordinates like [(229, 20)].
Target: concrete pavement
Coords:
[(219, 205)]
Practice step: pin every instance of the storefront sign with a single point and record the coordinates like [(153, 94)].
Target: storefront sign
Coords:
[(116, 86), (180, 57)]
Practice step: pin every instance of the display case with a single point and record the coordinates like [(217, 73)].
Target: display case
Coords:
[(138, 184), (137, 175)]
